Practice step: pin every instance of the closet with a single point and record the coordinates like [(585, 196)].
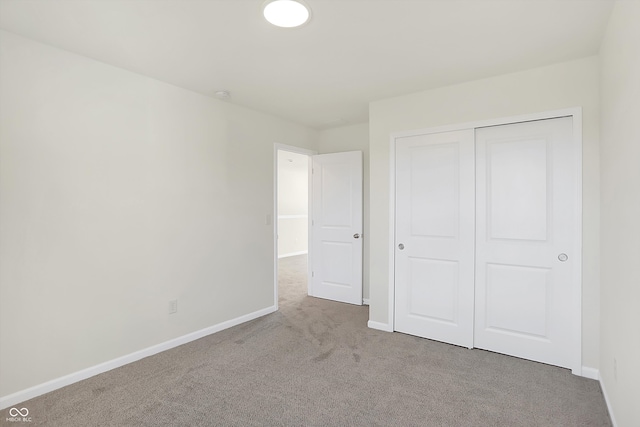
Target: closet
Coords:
[(485, 238)]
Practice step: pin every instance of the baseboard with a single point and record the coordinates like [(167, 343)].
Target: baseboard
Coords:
[(380, 326), (57, 383), (591, 373), (606, 399), (365, 301), (292, 254), (594, 374)]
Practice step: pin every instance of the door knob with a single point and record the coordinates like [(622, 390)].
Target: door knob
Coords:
[(401, 246), (356, 236), (563, 257)]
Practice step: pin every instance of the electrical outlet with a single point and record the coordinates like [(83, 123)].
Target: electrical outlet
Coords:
[(615, 369), (173, 306)]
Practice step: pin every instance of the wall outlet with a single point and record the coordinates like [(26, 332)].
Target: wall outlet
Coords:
[(173, 306), (615, 369)]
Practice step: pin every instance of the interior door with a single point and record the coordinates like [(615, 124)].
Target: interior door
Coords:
[(434, 255), (526, 207), (336, 227)]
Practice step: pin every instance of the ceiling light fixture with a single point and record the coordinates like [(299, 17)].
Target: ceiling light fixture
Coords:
[(286, 13)]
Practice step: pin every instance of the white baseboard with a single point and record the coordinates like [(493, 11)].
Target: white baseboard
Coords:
[(380, 326), (606, 399), (365, 301), (292, 254), (594, 374), (57, 383), (591, 373)]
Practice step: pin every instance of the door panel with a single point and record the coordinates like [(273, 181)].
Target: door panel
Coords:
[(336, 248), (434, 196), (526, 187), (337, 258), (336, 210), (517, 182), (434, 225), (433, 294), (516, 299)]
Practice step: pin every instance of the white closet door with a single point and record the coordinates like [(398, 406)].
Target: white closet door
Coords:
[(526, 176), (435, 236)]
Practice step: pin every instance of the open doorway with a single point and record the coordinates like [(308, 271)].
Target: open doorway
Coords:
[(291, 224)]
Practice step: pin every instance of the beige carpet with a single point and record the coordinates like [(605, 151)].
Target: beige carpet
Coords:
[(315, 363)]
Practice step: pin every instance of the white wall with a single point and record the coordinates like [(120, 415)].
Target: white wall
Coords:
[(353, 138), (293, 203), (620, 250), (118, 194), (559, 86)]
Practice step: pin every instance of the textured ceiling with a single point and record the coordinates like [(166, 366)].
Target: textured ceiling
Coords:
[(325, 73)]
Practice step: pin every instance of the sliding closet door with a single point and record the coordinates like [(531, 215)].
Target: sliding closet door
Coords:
[(434, 236), (526, 207)]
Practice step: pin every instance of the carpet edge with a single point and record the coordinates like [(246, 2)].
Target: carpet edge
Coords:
[(46, 387)]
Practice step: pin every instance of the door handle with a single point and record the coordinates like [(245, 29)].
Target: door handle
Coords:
[(356, 236), (401, 246), (563, 257)]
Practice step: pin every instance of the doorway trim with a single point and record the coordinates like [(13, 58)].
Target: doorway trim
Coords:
[(576, 303), (292, 149)]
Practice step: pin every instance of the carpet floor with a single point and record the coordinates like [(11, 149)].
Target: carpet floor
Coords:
[(315, 363)]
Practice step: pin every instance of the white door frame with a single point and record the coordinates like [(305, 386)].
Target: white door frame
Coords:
[(290, 148), (576, 304)]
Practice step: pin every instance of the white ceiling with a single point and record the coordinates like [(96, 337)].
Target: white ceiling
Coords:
[(325, 73), (293, 162)]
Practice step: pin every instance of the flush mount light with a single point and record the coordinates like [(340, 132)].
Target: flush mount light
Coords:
[(286, 13)]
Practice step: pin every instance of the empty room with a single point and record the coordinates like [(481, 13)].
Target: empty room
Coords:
[(320, 212)]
